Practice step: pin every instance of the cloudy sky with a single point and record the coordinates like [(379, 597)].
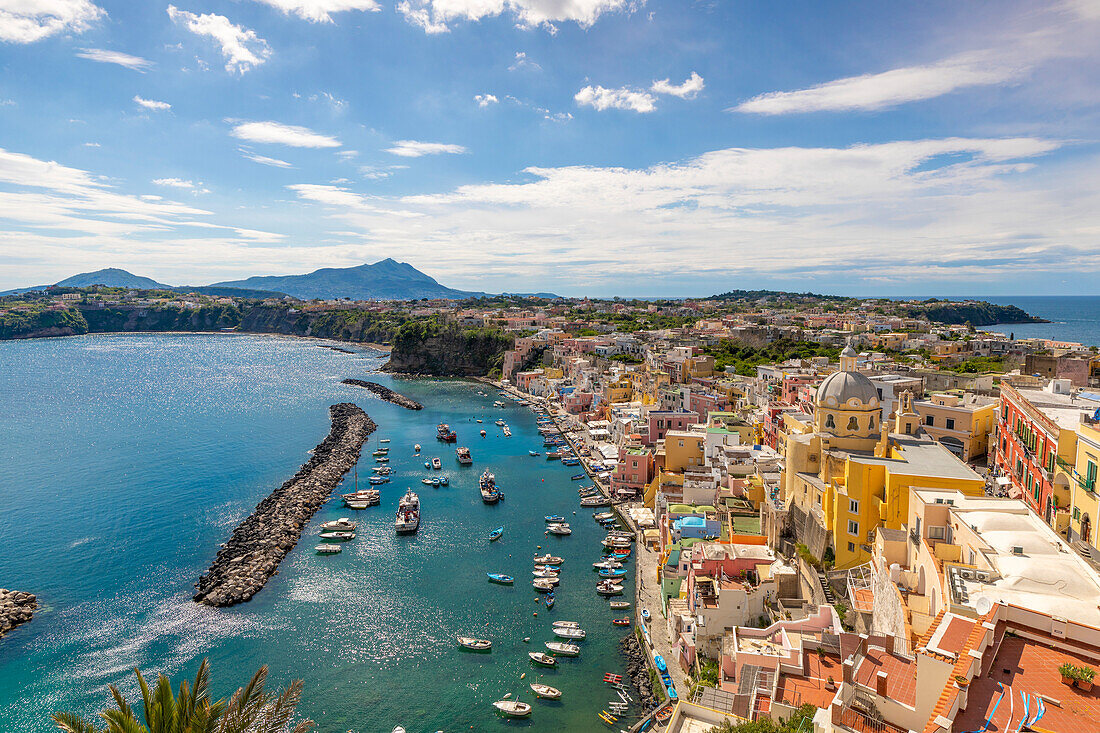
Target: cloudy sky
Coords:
[(601, 147)]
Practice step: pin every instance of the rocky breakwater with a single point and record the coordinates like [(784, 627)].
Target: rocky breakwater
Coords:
[(16, 608), (387, 394), (260, 542), (637, 670)]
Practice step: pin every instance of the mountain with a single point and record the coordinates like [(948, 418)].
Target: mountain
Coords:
[(386, 279), (112, 277)]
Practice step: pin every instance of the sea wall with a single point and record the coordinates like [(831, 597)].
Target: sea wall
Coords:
[(259, 543), (637, 669), (387, 394), (16, 608)]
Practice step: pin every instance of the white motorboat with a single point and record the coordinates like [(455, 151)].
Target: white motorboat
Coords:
[(566, 625), (545, 573), (328, 549), (436, 463), (513, 708), (545, 691), (542, 658), (343, 524), (565, 632), (548, 559), (566, 650), (543, 585), (337, 536), (474, 644), (559, 529)]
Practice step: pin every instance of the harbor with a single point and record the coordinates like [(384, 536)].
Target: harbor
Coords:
[(365, 627)]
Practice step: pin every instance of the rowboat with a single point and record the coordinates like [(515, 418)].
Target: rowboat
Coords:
[(609, 589), (513, 708), (603, 516), (612, 573), (550, 600), (542, 658), (443, 481), (619, 604), (659, 661), (552, 518), (426, 481), (496, 534), (548, 559), (475, 645), (621, 621), (376, 480), (545, 691), (566, 650), (501, 578), (645, 614), (568, 633)]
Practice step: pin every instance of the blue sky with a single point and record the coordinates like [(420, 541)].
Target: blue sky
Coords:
[(594, 147)]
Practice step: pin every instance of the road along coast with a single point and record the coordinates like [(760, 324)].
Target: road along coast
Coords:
[(16, 608), (386, 393), (259, 543)]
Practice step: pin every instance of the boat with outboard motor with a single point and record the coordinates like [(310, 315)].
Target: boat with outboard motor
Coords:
[(496, 534), (545, 691), (474, 644), (513, 708), (548, 559), (500, 578), (568, 632), (542, 658), (564, 649)]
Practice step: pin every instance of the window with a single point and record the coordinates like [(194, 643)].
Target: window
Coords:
[(1090, 474), (880, 393), (908, 428), (681, 444), (937, 533), (871, 425), (929, 420), (829, 422), (851, 547), (853, 506), (853, 424), (1076, 513), (853, 527), (950, 423)]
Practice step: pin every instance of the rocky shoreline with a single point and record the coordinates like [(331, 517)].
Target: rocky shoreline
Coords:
[(638, 671), (16, 607), (259, 543), (386, 393)]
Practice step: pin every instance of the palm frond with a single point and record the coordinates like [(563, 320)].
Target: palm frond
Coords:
[(73, 723)]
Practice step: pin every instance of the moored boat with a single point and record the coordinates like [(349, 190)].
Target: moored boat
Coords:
[(436, 463), (564, 649), (554, 518), (496, 534), (443, 432), (328, 549), (542, 658), (408, 513), (559, 529), (490, 494), (621, 621), (337, 536), (566, 625), (612, 572), (545, 691), (543, 585), (463, 455), (343, 524), (548, 559), (533, 453), (474, 644), (567, 632), (500, 578), (513, 708), (617, 605)]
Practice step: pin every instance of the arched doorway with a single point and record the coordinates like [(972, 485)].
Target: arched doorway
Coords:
[(1086, 527)]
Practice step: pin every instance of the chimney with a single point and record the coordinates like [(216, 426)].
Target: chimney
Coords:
[(880, 684), (849, 668)]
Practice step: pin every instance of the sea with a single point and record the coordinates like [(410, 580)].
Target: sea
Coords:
[(1072, 318), (126, 459)]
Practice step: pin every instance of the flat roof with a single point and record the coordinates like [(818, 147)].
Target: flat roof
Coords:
[(921, 458), (1064, 409)]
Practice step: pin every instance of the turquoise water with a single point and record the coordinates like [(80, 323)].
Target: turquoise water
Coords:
[(126, 459)]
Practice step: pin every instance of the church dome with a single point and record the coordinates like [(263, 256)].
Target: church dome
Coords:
[(847, 389)]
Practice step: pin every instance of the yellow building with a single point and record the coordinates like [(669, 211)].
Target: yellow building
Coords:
[(622, 390), (684, 449), (963, 423), (1084, 503), (851, 475)]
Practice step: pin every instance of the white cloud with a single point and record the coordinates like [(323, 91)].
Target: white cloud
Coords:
[(435, 15), (626, 98), (92, 145), (242, 48), (27, 21), (887, 89), (691, 86), (152, 104), (484, 100), (106, 56), (953, 207), (263, 159), (320, 11), (522, 62), (176, 183), (279, 134), (416, 149), (347, 155)]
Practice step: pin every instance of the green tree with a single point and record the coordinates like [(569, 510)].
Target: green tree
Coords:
[(250, 710)]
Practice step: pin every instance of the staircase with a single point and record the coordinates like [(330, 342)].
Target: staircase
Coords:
[(830, 597)]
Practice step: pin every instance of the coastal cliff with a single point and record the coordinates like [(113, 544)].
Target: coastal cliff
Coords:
[(445, 350), (975, 313), (259, 543)]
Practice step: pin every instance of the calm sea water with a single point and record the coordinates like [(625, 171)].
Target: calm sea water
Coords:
[(1073, 318), (126, 459)]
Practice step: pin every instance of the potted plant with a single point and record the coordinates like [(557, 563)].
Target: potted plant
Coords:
[(829, 684), (1084, 678), (961, 681), (1068, 672)]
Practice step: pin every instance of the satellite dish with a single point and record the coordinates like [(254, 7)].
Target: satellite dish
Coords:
[(983, 605)]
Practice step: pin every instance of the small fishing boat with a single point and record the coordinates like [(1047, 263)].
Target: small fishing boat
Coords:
[(603, 516), (578, 477), (645, 614), (376, 480), (382, 459), (482, 433), (417, 447), (566, 625), (617, 605), (594, 501), (550, 600), (607, 565), (337, 536), (609, 588), (496, 534), (612, 573), (572, 462), (543, 585), (474, 644), (463, 455), (554, 518), (427, 464), (426, 481), (543, 659), (381, 452), (343, 524), (541, 571), (564, 649), (659, 661), (436, 463), (534, 453), (443, 481), (500, 422), (559, 529), (328, 549), (621, 621), (545, 691), (548, 559), (436, 482), (513, 708), (566, 632), (501, 578), (384, 440)]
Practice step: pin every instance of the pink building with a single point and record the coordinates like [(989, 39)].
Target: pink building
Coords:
[(661, 421)]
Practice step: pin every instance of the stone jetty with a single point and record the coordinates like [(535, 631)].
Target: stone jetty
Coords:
[(637, 670), (16, 608), (387, 394), (260, 542)]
